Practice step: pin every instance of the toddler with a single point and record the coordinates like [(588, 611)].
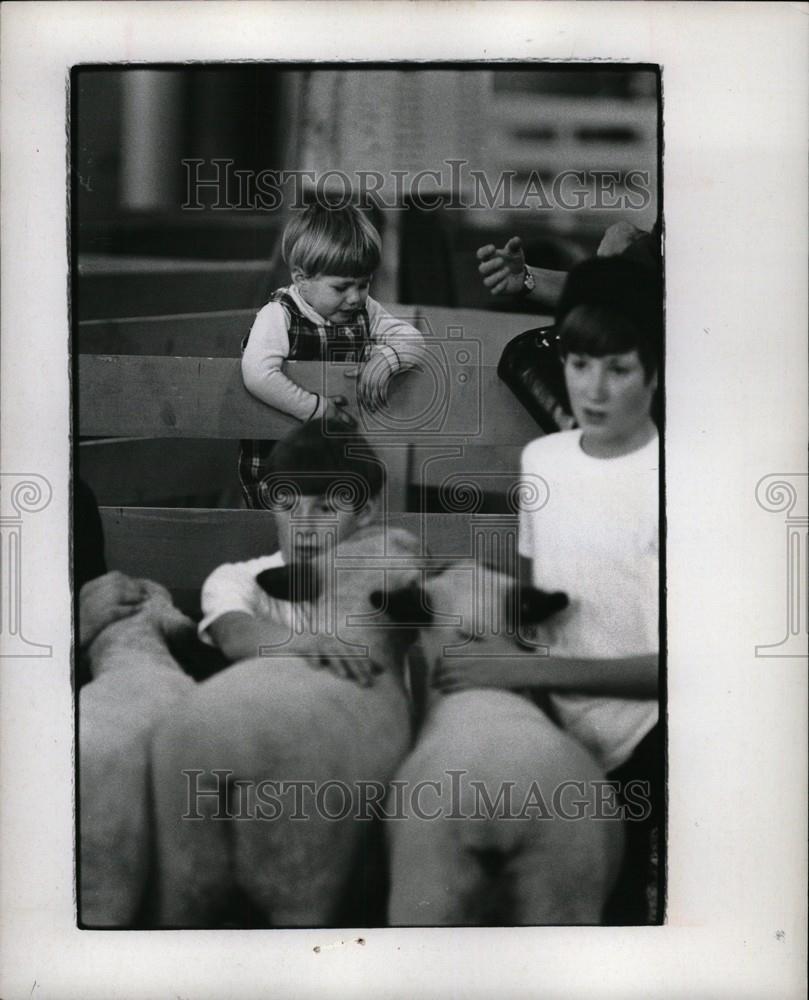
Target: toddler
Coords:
[(325, 315)]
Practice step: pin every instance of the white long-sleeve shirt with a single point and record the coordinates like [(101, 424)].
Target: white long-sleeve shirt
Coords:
[(268, 348)]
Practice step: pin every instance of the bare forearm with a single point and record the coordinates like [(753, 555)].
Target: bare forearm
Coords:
[(499, 667), (252, 638), (627, 677), (243, 637)]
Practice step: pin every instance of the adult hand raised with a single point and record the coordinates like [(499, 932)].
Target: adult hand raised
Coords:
[(503, 269)]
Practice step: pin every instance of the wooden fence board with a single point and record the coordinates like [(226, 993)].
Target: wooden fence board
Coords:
[(158, 472), (465, 478), (202, 335), (204, 397), (492, 330), (188, 335), (180, 547), (112, 286)]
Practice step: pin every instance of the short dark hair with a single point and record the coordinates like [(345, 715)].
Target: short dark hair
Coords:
[(612, 305), (326, 239), (319, 459)]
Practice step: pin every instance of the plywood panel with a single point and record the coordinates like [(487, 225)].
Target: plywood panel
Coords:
[(180, 547), (204, 397), (191, 335)]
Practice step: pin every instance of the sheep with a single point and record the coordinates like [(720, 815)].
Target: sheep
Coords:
[(280, 718), (480, 867), (135, 682)]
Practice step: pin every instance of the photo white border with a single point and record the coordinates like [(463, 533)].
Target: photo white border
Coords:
[(735, 203)]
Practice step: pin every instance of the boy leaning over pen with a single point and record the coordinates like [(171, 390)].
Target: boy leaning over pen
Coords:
[(325, 314)]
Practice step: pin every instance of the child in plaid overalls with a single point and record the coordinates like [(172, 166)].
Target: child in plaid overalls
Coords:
[(325, 315)]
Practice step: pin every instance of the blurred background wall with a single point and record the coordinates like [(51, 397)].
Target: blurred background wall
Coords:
[(459, 157), (134, 128)]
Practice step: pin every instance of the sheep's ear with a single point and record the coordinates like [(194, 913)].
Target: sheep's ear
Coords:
[(405, 606), (537, 605), (300, 582)]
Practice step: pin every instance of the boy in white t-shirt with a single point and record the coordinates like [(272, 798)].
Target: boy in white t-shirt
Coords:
[(322, 487), (597, 538)]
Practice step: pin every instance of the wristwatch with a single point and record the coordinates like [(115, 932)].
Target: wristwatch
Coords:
[(529, 282)]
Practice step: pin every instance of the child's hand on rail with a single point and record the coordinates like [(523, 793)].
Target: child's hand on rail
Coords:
[(373, 379), (335, 411)]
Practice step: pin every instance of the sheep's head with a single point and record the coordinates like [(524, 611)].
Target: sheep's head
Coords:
[(152, 627), (464, 601), (333, 592)]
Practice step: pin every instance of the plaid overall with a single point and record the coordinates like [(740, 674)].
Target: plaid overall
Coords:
[(308, 341)]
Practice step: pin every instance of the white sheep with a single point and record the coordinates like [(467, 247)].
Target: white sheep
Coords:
[(135, 682), (282, 718), (449, 868)]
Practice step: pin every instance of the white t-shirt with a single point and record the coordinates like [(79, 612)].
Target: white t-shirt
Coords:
[(597, 539), (233, 587)]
